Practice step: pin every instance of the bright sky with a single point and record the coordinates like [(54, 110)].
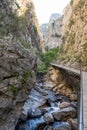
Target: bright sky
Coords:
[(44, 8)]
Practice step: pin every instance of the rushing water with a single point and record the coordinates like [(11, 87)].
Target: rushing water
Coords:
[(38, 107), (31, 124)]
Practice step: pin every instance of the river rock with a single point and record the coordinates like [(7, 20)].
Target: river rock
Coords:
[(73, 97), (73, 123), (64, 104), (41, 90), (35, 100), (35, 113), (65, 113), (58, 126), (49, 109), (62, 98), (74, 104), (48, 117), (51, 98), (32, 124)]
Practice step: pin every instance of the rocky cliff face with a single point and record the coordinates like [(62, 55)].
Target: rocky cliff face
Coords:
[(54, 16), (43, 28), (17, 18), (20, 39), (74, 40), (52, 37)]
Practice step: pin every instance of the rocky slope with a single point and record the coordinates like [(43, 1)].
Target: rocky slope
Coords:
[(20, 39), (52, 37), (74, 40)]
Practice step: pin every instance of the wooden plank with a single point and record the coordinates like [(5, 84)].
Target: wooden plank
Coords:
[(85, 100)]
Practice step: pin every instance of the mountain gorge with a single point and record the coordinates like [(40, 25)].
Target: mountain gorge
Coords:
[(69, 33), (23, 97)]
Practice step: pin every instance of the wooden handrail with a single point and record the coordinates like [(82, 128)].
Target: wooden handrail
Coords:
[(80, 123)]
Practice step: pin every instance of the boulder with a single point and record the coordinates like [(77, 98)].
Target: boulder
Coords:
[(64, 113), (73, 123), (48, 117), (73, 97), (32, 124), (74, 104), (49, 109), (58, 126), (34, 113), (64, 105), (34, 101)]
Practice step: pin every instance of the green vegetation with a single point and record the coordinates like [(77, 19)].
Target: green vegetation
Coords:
[(85, 54), (26, 75), (6, 26), (11, 22), (72, 38), (53, 22), (35, 29), (17, 4), (25, 43), (46, 58), (71, 2), (14, 89), (64, 37), (71, 22), (78, 7), (15, 72)]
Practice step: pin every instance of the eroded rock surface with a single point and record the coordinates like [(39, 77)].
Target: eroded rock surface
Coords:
[(16, 78)]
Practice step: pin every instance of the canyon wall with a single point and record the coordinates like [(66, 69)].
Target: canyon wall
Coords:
[(74, 30), (20, 40), (52, 32)]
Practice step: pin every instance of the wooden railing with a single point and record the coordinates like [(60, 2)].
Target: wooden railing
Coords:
[(80, 117)]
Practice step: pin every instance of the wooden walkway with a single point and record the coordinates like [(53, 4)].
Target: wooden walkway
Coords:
[(84, 83), (84, 89)]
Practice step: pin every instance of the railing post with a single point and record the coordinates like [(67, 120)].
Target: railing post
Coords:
[(80, 125)]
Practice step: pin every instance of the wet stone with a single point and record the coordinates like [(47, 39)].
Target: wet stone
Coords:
[(48, 117), (65, 113), (35, 113), (58, 126)]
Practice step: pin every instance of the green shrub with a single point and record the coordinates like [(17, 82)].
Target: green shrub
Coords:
[(25, 43), (85, 54), (35, 29), (26, 75), (14, 89), (71, 22), (64, 37), (46, 58), (72, 38), (53, 22), (71, 2)]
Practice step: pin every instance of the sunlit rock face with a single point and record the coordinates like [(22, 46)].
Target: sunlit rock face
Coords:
[(20, 39), (17, 18), (52, 36), (74, 40), (61, 83)]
